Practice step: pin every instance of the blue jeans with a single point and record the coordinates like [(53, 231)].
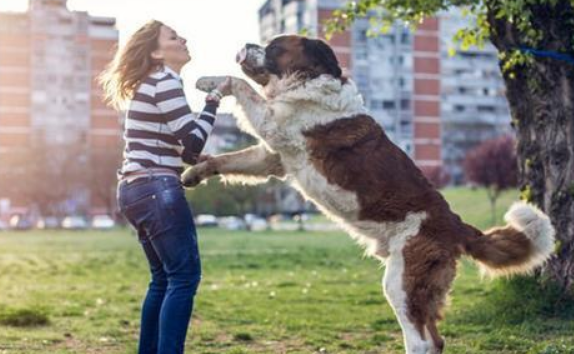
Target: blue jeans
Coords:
[(156, 207)]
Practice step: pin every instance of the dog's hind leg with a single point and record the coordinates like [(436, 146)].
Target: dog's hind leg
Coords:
[(430, 268), (394, 289), (438, 341)]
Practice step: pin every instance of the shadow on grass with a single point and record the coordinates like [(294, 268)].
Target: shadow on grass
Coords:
[(519, 301), (24, 317), (516, 315)]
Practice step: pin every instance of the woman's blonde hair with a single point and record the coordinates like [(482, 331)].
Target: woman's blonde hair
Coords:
[(131, 65)]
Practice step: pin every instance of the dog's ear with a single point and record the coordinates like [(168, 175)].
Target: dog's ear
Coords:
[(322, 56)]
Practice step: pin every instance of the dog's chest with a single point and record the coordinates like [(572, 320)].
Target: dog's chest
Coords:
[(331, 198), (343, 207)]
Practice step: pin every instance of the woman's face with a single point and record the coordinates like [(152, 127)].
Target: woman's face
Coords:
[(172, 49)]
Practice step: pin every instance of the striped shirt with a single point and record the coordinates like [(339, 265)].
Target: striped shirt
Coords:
[(160, 129)]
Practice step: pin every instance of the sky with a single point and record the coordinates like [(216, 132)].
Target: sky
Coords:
[(215, 30)]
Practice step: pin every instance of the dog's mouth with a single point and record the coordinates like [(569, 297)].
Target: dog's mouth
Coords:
[(252, 61)]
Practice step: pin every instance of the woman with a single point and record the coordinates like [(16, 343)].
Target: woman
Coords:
[(161, 134)]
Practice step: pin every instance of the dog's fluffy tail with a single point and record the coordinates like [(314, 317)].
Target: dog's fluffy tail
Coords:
[(524, 244)]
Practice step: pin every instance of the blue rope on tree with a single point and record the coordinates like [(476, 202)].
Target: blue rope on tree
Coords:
[(547, 54)]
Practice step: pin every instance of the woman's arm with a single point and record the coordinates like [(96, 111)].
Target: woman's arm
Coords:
[(191, 130), (193, 144)]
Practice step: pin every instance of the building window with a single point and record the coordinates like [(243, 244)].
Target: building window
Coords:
[(388, 104), (300, 21), (402, 82), (361, 54), (486, 109), (405, 37), (405, 104), (362, 36), (376, 104)]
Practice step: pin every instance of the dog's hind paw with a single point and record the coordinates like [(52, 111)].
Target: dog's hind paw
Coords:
[(208, 83)]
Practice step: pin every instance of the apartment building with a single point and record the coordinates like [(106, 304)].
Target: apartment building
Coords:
[(49, 99), (473, 103)]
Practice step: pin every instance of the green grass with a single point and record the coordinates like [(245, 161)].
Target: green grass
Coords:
[(268, 292), (473, 205)]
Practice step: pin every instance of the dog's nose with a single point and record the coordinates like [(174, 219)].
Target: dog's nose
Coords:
[(241, 56)]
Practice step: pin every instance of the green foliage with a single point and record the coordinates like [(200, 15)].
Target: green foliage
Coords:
[(512, 59), (526, 193), (477, 34), (525, 17)]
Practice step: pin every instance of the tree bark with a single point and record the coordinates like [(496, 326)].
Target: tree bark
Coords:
[(541, 98)]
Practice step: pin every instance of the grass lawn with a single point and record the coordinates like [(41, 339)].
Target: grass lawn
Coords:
[(268, 292)]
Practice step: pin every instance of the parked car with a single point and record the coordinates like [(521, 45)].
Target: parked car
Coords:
[(206, 220), (258, 224), (102, 222), (255, 222), (232, 223), (20, 222), (3, 226), (48, 222), (74, 223)]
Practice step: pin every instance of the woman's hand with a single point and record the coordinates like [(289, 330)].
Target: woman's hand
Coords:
[(223, 89)]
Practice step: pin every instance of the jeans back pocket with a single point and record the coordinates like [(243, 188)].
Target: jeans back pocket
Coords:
[(144, 215)]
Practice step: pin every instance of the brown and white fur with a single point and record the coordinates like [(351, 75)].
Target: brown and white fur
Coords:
[(316, 134)]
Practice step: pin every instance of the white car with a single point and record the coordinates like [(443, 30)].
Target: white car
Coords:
[(102, 222), (206, 220), (256, 223), (232, 223), (49, 222), (3, 226), (20, 222), (74, 223)]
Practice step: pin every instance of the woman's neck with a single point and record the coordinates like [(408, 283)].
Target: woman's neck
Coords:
[(174, 67)]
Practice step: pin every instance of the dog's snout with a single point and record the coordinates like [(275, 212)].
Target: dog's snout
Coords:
[(245, 52), (241, 56)]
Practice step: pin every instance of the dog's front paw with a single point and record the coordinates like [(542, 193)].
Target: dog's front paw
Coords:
[(191, 177), (208, 83)]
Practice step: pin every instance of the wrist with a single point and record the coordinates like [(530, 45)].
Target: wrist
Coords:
[(214, 96), (215, 93), (211, 102)]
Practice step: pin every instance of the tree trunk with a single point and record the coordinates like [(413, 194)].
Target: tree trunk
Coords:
[(541, 98)]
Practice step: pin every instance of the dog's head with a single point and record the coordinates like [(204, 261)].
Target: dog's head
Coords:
[(288, 55)]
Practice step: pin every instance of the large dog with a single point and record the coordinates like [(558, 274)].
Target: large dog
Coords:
[(316, 134)]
